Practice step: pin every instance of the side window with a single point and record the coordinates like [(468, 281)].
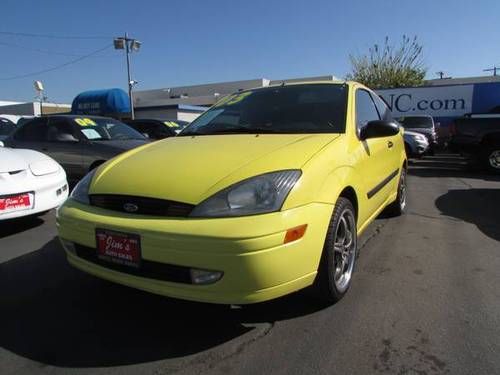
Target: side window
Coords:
[(365, 109), (33, 131), (61, 130), (382, 108)]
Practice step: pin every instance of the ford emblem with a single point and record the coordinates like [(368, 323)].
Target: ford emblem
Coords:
[(130, 207)]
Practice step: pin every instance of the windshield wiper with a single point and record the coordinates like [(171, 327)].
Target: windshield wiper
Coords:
[(190, 133)]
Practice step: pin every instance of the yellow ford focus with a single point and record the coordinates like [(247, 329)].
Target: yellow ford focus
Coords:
[(268, 193)]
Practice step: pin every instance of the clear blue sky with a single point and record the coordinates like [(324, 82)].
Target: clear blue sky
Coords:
[(190, 42)]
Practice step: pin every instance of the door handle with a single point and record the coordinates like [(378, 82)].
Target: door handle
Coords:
[(45, 149), (390, 144)]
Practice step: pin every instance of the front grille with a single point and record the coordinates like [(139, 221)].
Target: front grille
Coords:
[(148, 269), (141, 205)]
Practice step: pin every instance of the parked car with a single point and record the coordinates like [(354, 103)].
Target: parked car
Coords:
[(269, 190), (30, 183), (13, 118), (478, 135), (416, 144), (154, 129), (6, 127), (78, 143), (423, 125), (23, 120)]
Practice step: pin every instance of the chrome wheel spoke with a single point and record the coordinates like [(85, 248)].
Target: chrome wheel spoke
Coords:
[(495, 159), (344, 249)]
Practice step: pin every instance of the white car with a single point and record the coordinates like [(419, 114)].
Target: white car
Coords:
[(30, 183)]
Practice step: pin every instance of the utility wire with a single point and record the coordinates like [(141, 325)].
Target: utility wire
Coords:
[(56, 67), (48, 52), (49, 36)]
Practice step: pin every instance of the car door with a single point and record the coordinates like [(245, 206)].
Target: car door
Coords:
[(64, 144), (32, 135), (373, 165), (394, 152)]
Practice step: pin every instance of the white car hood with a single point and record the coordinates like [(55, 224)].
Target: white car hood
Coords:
[(18, 160)]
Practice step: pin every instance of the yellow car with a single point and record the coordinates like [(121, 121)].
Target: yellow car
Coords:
[(262, 195)]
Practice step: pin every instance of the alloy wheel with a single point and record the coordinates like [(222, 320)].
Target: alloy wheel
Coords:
[(402, 190), (494, 159), (344, 250)]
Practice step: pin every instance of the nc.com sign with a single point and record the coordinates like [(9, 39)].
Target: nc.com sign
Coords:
[(437, 101)]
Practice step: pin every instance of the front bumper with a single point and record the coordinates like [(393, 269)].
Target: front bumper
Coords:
[(256, 264), (49, 191)]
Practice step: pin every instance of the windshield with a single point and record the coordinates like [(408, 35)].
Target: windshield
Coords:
[(6, 126), (176, 125), (105, 129), (416, 122), (311, 108)]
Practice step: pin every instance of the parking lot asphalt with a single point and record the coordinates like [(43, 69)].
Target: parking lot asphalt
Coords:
[(424, 300)]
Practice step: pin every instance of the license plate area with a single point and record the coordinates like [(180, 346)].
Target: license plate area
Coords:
[(16, 202), (118, 247)]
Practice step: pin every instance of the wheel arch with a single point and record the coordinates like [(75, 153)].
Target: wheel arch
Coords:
[(491, 139), (349, 193), (95, 164)]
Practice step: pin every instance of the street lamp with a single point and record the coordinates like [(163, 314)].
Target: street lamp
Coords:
[(129, 45), (40, 94)]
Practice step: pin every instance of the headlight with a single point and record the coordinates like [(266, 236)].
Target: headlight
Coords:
[(255, 195), (44, 167), (81, 191)]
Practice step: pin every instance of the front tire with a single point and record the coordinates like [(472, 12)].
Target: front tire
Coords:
[(339, 254)]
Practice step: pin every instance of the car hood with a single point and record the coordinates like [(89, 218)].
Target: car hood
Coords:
[(190, 169), (118, 146), (411, 133), (19, 159), (427, 131)]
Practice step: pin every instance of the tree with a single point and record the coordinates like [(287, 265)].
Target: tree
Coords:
[(389, 66)]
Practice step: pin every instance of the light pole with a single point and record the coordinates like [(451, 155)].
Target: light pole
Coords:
[(41, 97), (129, 45), (494, 70)]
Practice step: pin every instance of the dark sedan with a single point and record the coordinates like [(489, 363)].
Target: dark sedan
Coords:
[(78, 143), (157, 129), (6, 127)]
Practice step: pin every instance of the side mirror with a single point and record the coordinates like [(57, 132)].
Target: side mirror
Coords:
[(379, 129), (1, 144)]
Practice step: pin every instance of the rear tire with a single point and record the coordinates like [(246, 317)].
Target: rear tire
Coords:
[(339, 254), (398, 207)]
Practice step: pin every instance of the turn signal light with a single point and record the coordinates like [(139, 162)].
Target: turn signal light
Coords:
[(293, 234)]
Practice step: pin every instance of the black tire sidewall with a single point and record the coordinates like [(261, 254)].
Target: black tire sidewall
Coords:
[(395, 208), (486, 158), (325, 283)]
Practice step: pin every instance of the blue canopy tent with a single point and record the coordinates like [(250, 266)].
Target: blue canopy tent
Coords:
[(110, 102)]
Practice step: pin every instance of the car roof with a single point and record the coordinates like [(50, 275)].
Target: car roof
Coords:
[(78, 116)]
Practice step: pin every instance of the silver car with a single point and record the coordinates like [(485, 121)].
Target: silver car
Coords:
[(416, 144)]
